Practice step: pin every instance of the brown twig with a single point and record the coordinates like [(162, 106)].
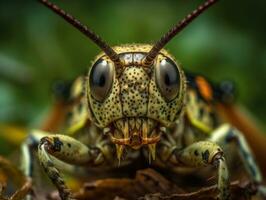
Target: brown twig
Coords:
[(238, 190), (12, 172), (150, 185)]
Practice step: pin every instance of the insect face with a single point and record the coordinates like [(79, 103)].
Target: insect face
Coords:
[(135, 102)]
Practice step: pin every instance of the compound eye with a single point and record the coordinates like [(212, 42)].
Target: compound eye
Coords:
[(101, 79), (167, 78)]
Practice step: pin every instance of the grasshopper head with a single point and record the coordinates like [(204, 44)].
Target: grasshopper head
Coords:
[(135, 103)]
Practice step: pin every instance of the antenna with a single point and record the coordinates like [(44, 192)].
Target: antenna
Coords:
[(174, 31), (86, 31)]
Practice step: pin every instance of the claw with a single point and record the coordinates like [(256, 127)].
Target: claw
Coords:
[(152, 150), (126, 129), (144, 129), (119, 152)]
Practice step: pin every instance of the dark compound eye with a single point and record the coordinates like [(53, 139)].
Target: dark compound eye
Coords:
[(101, 79), (168, 79)]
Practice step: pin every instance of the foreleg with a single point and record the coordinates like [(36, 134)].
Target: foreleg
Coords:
[(68, 150), (227, 134), (28, 147), (206, 153)]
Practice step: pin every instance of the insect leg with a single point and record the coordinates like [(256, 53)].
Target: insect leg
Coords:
[(68, 150), (28, 148), (205, 153), (226, 134)]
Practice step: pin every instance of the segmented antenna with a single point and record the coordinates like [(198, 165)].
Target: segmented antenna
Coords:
[(85, 30), (174, 31)]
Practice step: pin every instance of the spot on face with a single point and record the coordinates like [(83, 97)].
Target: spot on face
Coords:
[(57, 144), (205, 156), (134, 83)]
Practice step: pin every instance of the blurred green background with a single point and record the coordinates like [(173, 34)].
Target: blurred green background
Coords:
[(37, 47)]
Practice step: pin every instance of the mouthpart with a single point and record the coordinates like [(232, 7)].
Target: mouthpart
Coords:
[(135, 132)]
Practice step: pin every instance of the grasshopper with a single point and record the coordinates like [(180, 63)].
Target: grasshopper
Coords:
[(136, 101)]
